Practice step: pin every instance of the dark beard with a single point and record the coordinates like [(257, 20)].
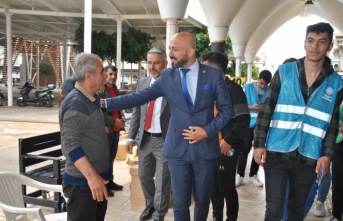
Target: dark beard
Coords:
[(179, 63)]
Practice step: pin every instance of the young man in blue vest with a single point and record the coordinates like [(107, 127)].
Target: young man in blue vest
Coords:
[(297, 126), (256, 94)]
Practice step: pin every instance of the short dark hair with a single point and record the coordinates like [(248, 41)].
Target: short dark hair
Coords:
[(218, 58), (320, 27), (113, 68), (266, 76)]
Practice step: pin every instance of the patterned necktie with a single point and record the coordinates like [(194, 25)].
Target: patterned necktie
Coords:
[(148, 119), (185, 90)]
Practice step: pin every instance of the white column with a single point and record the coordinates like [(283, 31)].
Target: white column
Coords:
[(238, 72), (249, 74), (172, 12), (172, 29), (249, 59), (68, 61), (37, 67), (9, 59), (238, 53), (65, 61), (119, 49), (87, 45), (341, 58)]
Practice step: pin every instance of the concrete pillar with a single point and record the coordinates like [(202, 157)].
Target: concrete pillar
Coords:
[(9, 59), (249, 59), (341, 58), (171, 12), (37, 67), (238, 52), (119, 49), (238, 72), (65, 60), (172, 29), (218, 37), (87, 39)]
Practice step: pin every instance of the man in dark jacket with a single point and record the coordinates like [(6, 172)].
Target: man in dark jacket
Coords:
[(114, 121), (230, 145)]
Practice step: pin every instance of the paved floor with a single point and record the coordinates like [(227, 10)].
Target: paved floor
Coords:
[(21, 122)]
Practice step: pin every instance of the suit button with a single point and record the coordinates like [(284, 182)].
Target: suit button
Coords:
[(192, 115)]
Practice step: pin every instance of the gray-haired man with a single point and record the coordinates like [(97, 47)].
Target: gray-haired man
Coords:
[(152, 120)]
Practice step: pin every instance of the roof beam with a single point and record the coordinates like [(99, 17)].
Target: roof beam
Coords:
[(116, 9), (81, 15), (49, 5)]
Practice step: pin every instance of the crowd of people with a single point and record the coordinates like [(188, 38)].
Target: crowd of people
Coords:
[(196, 127)]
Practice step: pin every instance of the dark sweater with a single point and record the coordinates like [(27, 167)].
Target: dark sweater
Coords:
[(83, 134)]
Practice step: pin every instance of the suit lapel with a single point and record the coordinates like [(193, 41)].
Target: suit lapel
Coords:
[(163, 105), (144, 84), (201, 82), (178, 94)]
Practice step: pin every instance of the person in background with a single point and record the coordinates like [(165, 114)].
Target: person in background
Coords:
[(84, 142), (233, 134), (191, 145), (151, 162), (323, 191), (296, 128), (68, 85), (256, 94), (114, 121), (337, 178)]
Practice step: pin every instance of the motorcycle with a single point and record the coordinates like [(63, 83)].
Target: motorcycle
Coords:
[(44, 97), (1, 97)]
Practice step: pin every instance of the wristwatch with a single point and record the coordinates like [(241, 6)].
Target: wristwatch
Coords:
[(102, 103)]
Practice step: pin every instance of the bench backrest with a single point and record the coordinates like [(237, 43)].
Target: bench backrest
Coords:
[(41, 145)]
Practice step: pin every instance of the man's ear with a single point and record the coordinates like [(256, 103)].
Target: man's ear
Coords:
[(191, 52), (330, 46), (88, 75)]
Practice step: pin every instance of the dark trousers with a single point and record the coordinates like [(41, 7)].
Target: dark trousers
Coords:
[(81, 206), (113, 140), (337, 182), (277, 172), (191, 174), (243, 157), (224, 188)]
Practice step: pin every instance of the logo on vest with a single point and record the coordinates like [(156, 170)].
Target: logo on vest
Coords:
[(328, 94), (221, 167)]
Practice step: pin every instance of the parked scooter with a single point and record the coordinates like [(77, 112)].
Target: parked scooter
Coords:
[(44, 97), (1, 97)]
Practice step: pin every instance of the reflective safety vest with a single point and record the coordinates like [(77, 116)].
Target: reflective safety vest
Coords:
[(252, 100), (295, 124)]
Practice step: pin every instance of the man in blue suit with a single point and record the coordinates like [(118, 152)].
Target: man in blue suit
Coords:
[(191, 144)]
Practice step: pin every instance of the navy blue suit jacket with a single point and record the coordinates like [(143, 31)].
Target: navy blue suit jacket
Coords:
[(210, 88)]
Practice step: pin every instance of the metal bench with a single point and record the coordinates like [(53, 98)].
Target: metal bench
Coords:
[(41, 159)]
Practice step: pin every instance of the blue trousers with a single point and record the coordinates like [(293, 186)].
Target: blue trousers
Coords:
[(191, 174)]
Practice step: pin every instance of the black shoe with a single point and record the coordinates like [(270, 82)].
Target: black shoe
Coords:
[(217, 219), (110, 193), (147, 213), (113, 186)]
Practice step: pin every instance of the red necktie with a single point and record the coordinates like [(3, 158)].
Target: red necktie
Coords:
[(148, 119)]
